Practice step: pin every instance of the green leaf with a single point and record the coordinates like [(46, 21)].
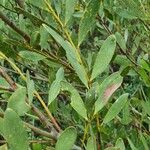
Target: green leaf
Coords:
[(126, 119), (30, 88), (4, 147), (76, 100), (14, 131), (91, 144), (33, 56), (120, 41), (2, 126), (88, 19), (70, 4), (120, 144), (144, 141), (116, 108), (55, 86), (104, 56), (67, 139), (132, 145), (106, 89), (17, 101), (72, 55)]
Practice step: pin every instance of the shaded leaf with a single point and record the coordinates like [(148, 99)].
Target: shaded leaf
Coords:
[(144, 141), (17, 101), (55, 86), (116, 108), (132, 145), (88, 19), (106, 89), (104, 56), (67, 139)]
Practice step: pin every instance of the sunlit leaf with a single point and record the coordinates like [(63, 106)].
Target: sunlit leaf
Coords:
[(76, 100), (14, 131), (106, 89), (132, 145), (104, 56), (71, 54), (17, 101), (116, 108), (55, 86), (70, 4), (120, 144), (33, 56), (91, 144)]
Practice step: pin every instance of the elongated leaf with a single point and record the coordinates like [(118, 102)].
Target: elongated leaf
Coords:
[(30, 88), (126, 119), (116, 108), (33, 56), (72, 55), (91, 144), (14, 131), (120, 144), (17, 101), (55, 86), (66, 139), (120, 41), (144, 141), (4, 147), (88, 19), (106, 89), (132, 145), (70, 4), (76, 100), (104, 56)]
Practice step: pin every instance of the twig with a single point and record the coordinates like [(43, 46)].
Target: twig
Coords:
[(14, 27)]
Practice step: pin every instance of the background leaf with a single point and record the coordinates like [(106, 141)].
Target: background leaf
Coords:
[(88, 19)]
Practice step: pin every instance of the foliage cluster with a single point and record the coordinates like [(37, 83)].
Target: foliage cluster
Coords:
[(74, 74)]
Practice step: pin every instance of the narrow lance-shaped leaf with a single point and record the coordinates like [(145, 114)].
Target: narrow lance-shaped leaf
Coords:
[(76, 100), (104, 56), (70, 4), (67, 139), (17, 101), (106, 89), (120, 144), (91, 144), (14, 131), (30, 88), (88, 19), (132, 145), (116, 108), (72, 56), (55, 86), (33, 56)]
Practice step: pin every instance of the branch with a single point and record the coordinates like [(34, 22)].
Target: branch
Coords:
[(14, 27)]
